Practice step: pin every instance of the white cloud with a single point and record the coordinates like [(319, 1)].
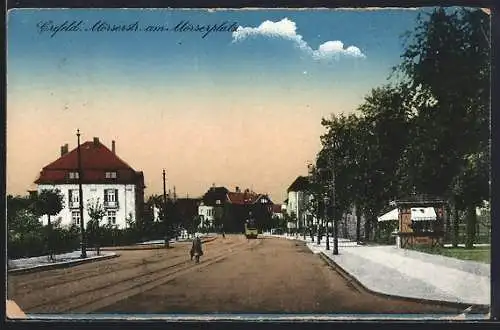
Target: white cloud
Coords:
[(287, 29)]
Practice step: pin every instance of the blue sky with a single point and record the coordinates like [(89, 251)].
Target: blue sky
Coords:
[(152, 55), (259, 99)]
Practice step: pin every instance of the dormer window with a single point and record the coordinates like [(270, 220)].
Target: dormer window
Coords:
[(110, 175), (73, 175)]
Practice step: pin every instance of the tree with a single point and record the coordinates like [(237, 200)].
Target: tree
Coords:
[(446, 73), (192, 224), (218, 216), (49, 202), (96, 213), (20, 215)]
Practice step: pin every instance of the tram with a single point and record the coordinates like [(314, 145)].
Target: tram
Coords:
[(251, 230)]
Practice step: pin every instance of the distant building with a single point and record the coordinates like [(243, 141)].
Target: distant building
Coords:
[(211, 204), (105, 177), (242, 205), (230, 209), (278, 210), (297, 201), (207, 215)]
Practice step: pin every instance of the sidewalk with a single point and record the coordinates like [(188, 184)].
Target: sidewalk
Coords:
[(61, 260), (407, 273)]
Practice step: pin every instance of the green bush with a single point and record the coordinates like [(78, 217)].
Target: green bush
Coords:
[(34, 244)]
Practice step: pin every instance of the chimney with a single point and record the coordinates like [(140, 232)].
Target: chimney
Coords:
[(64, 149), (96, 141), (113, 146)]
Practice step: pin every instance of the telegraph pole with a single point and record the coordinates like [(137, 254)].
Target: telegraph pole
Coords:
[(318, 203), (335, 220), (325, 211), (165, 209), (83, 242), (318, 226), (303, 215)]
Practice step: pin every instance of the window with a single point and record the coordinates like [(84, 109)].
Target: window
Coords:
[(263, 201), (75, 196), (111, 217), (110, 175), (422, 226), (73, 175), (111, 196), (75, 217)]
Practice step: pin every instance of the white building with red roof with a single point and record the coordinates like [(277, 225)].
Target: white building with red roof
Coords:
[(105, 177)]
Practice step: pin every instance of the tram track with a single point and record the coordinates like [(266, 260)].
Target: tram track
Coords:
[(46, 280), (106, 289)]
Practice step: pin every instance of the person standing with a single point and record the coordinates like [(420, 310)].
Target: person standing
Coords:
[(196, 247)]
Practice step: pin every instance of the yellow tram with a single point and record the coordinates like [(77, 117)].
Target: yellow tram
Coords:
[(251, 230)]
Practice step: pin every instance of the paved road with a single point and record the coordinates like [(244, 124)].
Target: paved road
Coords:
[(266, 275)]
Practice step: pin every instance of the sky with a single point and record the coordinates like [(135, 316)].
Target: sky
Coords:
[(238, 107)]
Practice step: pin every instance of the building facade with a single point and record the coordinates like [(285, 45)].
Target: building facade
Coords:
[(106, 180), (296, 207), (207, 215)]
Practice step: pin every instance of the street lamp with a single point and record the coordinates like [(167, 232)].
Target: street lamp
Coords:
[(80, 191), (335, 220), (325, 211)]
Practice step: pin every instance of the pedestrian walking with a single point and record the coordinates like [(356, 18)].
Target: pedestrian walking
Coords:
[(196, 247)]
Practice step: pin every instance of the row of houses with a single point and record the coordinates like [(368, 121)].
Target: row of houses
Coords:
[(221, 208), (120, 189)]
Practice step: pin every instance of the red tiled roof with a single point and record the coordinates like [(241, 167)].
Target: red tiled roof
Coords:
[(277, 208), (95, 155), (96, 160), (242, 198)]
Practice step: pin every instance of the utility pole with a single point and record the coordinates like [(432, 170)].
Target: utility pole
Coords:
[(83, 242), (303, 215), (318, 226), (335, 220), (325, 211), (165, 210), (297, 223)]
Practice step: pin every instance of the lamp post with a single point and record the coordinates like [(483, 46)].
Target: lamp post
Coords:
[(317, 201), (83, 242), (326, 222), (335, 220), (167, 238), (331, 160), (304, 215)]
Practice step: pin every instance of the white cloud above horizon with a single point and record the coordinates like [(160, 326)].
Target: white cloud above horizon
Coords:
[(287, 29)]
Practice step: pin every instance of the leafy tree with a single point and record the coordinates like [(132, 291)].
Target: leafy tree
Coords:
[(49, 202), (192, 225), (20, 215), (96, 213), (218, 216), (446, 73)]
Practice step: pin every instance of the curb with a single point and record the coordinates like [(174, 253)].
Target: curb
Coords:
[(65, 264), (354, 282)]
